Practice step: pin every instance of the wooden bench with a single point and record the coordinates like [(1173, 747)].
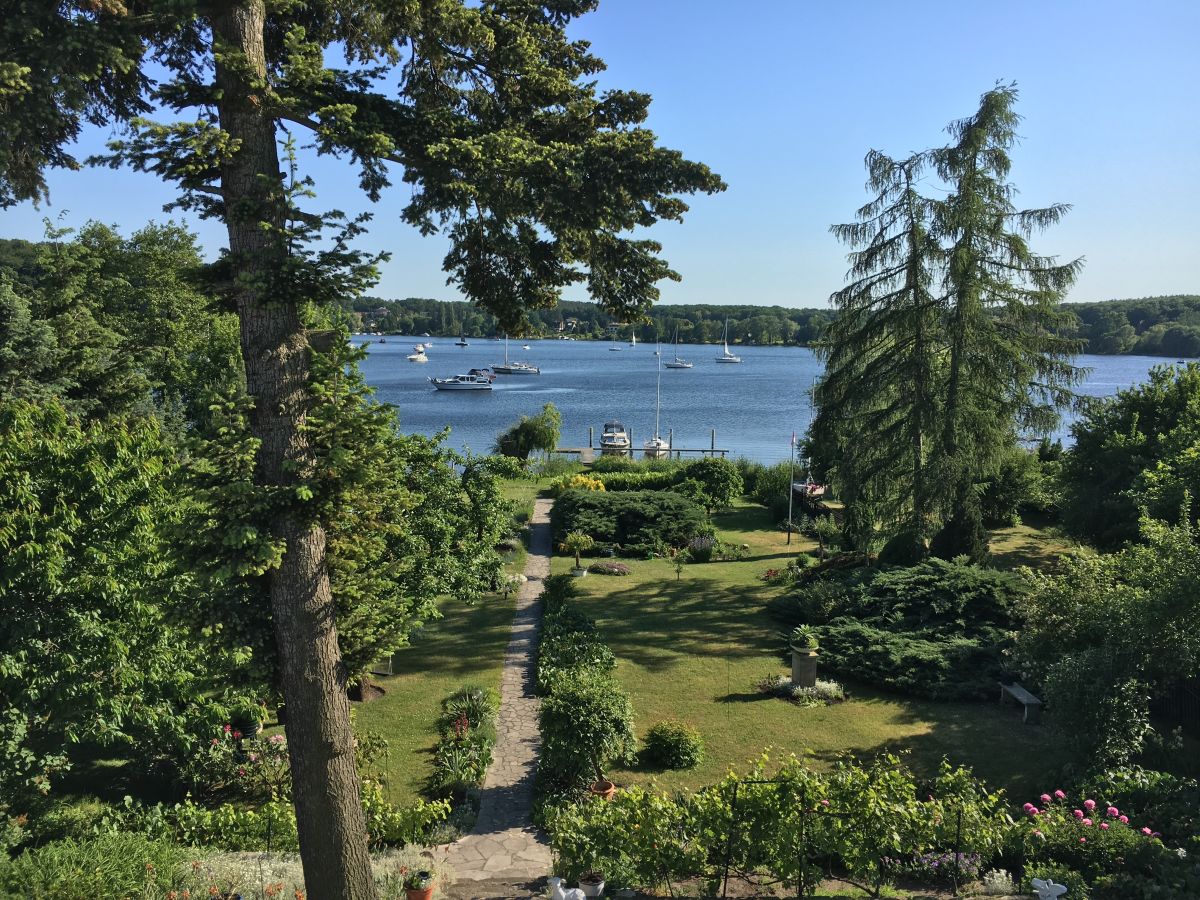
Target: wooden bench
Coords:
[(1033, 706)]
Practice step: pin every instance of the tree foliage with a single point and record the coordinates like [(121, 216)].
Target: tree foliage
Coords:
[(540, 432), (92, 644), (946, 342), (1111, 628), (1137, 448)]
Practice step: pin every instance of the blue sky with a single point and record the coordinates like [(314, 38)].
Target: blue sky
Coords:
[(784, 98)]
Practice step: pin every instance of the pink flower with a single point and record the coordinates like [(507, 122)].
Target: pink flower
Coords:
[(1083, 840), (1038, 833), (1078, 813), (1104, 825), (228, 728), (824, 802), (1087, 822), (1045, 798), (1033, 811), (1145, 831), (241, 771), (1060, 795), (237, 735), (1113, 811), (1090, 804), (253, 757), (215, 742), (1124, 820), (1027, 807)]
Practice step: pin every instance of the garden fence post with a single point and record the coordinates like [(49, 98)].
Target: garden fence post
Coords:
[(957, 850), (803, 854), (729, 843)]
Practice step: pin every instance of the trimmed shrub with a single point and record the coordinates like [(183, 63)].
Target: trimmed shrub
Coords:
[(586, 724), (673, 745), (608, 568), (635, 521)]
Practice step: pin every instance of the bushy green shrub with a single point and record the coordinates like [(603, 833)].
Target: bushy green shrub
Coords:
[(937, 629), (635, 521), (105, 867), (719, 478), (673, 745), (772, 485), (638, 480), (586, 724), (1161, 801), (849, 819)]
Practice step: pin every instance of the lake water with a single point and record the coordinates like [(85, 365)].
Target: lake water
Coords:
[(754, 407)]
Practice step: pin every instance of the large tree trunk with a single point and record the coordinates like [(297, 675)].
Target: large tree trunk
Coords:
[(333, 835)]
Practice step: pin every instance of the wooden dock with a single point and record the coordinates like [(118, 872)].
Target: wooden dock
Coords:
[(587, 455)]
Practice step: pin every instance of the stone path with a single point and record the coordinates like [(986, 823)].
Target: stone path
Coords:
[(503, 844)]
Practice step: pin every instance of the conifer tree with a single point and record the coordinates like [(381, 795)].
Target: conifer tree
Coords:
[(878, 399), (492, 114), (1007, 367)]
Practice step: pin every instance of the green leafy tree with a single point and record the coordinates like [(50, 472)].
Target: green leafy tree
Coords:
[(1006, 366), (92, 646), (1135, 448), (1109, 628), (493, 115), (540, 432), (408, 521), (28, 349), (719, 479)]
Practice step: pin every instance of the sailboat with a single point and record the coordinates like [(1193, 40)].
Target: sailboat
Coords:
[(514, 367), (657, 447), (678, 363), (728, 357), (632, 338), (615, 348)]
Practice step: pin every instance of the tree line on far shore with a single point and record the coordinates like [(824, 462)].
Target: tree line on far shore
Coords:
[(1149, 326)]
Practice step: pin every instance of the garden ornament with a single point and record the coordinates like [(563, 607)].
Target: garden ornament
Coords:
[(557, 892), (1047, 889)]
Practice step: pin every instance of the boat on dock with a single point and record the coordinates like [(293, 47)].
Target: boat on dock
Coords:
[(657, 447), (614, 439)]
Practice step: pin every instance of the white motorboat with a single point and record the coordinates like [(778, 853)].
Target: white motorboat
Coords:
[(462, 383), (678, 363), (657, 447), (417, 356), (514, 367), (483, 373), (614, 439), (728, 357)]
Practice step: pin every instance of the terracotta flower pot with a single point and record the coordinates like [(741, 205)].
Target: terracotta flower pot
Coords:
[(419, 893), (604, 789)]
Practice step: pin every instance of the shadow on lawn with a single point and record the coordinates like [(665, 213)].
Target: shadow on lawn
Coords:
[(657, 624), (989, 739)]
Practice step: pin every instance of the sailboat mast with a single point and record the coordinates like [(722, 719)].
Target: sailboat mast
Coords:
[(658, 400)]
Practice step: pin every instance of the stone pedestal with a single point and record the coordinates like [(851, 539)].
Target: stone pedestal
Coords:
[(804, 668)]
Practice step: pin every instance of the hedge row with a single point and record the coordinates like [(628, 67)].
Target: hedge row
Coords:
[(633, 522), (586, 718)]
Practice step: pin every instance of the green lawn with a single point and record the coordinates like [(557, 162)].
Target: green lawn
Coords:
[(465, 646), (692, 649)]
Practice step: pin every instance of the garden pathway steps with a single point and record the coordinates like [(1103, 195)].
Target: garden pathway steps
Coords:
[(504, 844)]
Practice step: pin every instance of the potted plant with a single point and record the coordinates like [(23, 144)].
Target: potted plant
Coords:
[(804, 646), (592, 884), (418, 885), (577, 542), (601, 787), (247, 717)]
